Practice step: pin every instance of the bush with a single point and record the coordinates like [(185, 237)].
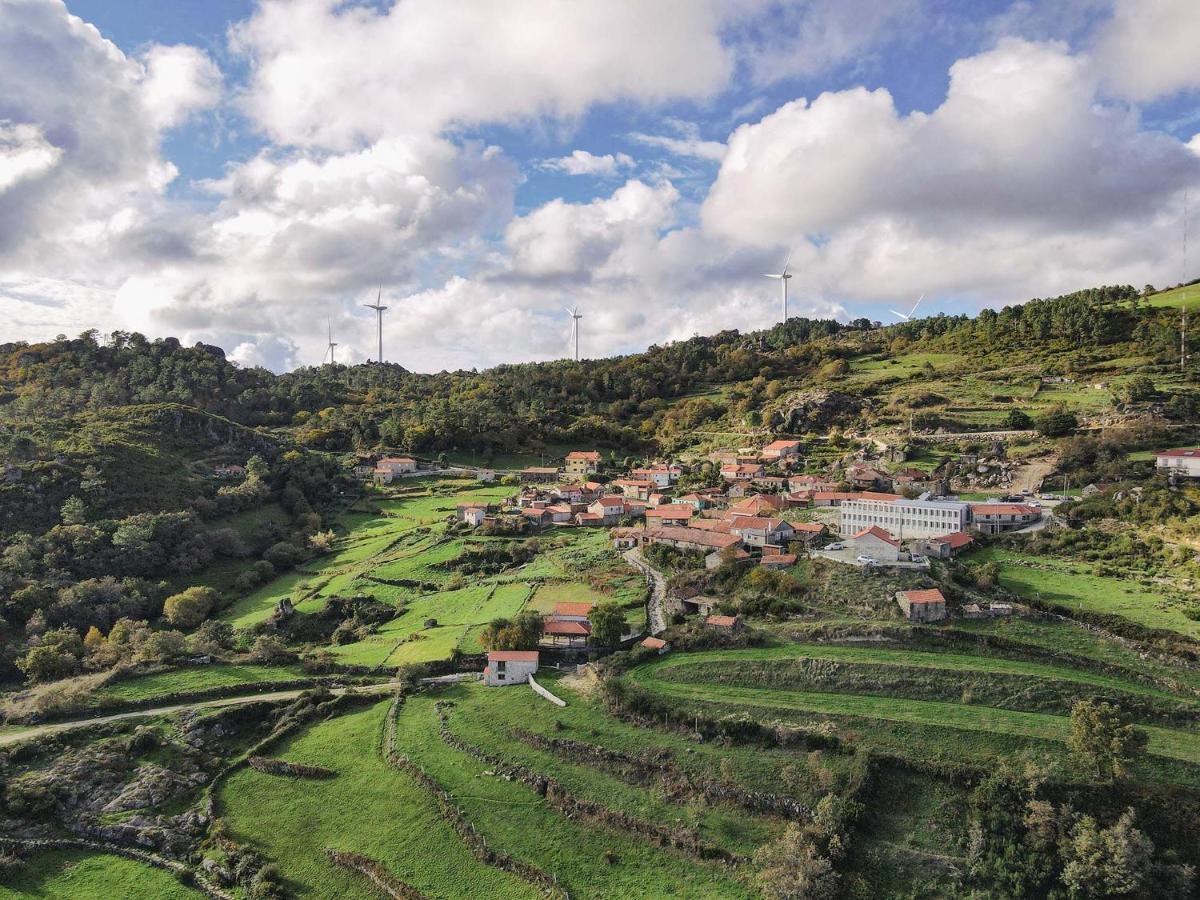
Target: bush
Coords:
[(189, 608), (284, 555)]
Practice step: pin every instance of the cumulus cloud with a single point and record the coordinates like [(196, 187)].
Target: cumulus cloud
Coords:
[(581, 162), (1148, 48), (333, 74), (179, 81), (24, 153), (1021, 154), (685, 141)]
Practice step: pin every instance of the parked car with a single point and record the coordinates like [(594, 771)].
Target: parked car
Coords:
[(865, 560)]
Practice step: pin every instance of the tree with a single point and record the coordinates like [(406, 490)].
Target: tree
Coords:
[(1017, 420), (1101, 741), (1106, 862), (189, 608), (73, 512), (608, 624), (522, 633), (93, 639), (1139, 388), (1056, 423), (211, 638), (791, 868)]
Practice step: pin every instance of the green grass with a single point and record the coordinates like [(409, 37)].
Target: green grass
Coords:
[(78, 875), (1189, 296), (258, 605), (516, 820), (1166, 742), (198, 678), (368, 807), (1065, 584)]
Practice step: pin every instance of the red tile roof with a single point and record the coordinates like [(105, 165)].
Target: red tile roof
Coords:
[(877, 495), (589, 455), (931, 595), (778, 559), (1003, 509), (834, 495), (876, 531), (568, 608), (758, 503), (672, 511), (955, 539), (512, 656), (654, 643), (781, 445), (1180, 451), (611, 501), (756, 522), (721, 621), (808, 527), (720, 525), (694, 536), (567, 627)]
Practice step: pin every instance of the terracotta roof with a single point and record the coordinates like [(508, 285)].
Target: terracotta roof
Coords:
[(540, 470), (808, 527), (722, 621), (756, 522), (611, 501), (695, 536), (781, 445), (711, 525), (742, 467), (589, 455), (592, 486), (877, 495), (955, 539), (876, 531), (931, 595), (654, 643), (778, 559), (1003, 509), (512, 656), (755, 504), (569, 608), (567, 627), (834, 495), (589, 517), (1193, 452), (672, 511)]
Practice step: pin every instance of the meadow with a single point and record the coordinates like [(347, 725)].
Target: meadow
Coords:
[(80, 875)]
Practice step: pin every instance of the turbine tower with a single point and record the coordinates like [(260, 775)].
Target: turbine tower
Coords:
[(332, 343), (783, 279), (575, 315), (379, 308), (907, 317)]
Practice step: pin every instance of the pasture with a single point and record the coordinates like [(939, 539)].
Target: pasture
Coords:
[(80, 875)]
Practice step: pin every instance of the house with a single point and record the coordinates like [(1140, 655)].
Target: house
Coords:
[(741, 471), (583, 462), (777, 560), (396, 465), (538, 474), (610, 509), (233, 471), (670, 514), (758, 505), (917, 480), (717, 558), (782, 449), (724, 526), (996, 518), (625, 538), (922, 606), (810, 483), (474, 516), (757, 531), (867, 477), (691, 538), (573, 611), (510, 667), (589, 519), (699, 501), (876, 544), (560, 513), (656, 644), (731, 624), (572, 493), (571, 632), (461, 509), (537, 515), (637, 488), (1183, 462), (832, 498), (659, 476), (808, 533), (944, 546)]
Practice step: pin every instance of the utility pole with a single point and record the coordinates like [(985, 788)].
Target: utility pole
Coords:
[(1183, 338)]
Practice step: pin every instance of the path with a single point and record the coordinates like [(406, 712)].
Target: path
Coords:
[(656, 605), (1030, 476), (53, 727)]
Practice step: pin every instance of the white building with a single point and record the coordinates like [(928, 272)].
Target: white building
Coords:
[(510, 667), (1184, 461), (905, 518)]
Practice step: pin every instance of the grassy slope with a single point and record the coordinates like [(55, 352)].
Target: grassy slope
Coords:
[(1060, 582), (85, 876), (199, 678), (516, 820), (369, 807)]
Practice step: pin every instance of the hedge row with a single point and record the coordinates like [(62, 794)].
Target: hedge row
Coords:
[(647, 768), (475, 842), (271, 766), (566, 803), (376, 873)]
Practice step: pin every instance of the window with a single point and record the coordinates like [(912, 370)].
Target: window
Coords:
[(500, 667)]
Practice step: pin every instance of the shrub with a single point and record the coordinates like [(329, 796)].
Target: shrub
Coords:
[(189, 608)]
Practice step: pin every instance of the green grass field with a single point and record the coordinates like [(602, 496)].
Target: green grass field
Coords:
[(197, 678), (77, 875), (1189, 296), (368, 807), (1069, 585)]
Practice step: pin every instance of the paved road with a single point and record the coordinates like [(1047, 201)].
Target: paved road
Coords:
[(52, 727), (656, 606)]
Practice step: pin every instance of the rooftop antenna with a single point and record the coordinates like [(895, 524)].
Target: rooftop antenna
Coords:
[(576, 315), (379, 308), (907, 317), (332, 344), (783, 278)]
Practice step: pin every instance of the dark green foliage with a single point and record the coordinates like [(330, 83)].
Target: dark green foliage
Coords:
[(608, 624)]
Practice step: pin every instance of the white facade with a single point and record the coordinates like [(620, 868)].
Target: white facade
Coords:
[(510, 667), (904, 519), (1184, 462)]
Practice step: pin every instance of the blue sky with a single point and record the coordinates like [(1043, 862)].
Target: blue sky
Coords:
[(277, 161)]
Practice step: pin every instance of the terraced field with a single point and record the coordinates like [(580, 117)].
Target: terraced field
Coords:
[(92, 876)]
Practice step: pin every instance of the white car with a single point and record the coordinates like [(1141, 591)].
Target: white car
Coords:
[(865, 560)]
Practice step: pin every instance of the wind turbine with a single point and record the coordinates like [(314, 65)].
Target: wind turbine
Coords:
[(783, 278), (907, 317), (332, 344), (576, 315), (379, 308)]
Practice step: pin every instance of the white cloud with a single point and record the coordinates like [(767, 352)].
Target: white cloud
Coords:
[(685, 142), (180, 80), (24, 153), (581, 162), (1148, 48), (1022, 166), (334, 74)]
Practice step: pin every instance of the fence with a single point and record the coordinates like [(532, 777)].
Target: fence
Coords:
[(538, 689)]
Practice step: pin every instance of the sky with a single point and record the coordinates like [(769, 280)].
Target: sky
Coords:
[(249, 173)]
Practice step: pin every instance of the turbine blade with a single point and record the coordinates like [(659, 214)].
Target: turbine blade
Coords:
[(787, 264), (918, 303), (769, 275), (895, 312)]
